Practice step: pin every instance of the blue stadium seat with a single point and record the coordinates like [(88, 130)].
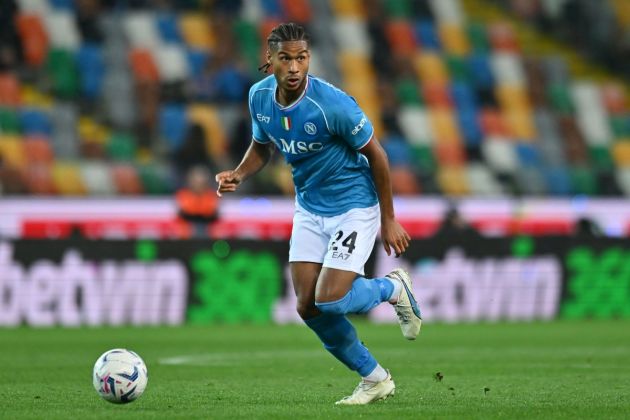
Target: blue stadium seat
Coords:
[(469, 126), (62, 4), (427, 36), (91, 65), (35, 121), (173, 125), (168, 28), (528, 155), (463, 96), (197, 61), (398, 151), (558, 180), (272, 8), (480, 70)]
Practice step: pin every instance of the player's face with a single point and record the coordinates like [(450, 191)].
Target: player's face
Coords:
[(290, 66)]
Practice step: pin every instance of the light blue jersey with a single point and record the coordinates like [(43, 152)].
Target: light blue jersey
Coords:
[(319, 135)]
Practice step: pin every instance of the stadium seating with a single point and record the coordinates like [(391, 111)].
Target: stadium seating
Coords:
[(474, 111)]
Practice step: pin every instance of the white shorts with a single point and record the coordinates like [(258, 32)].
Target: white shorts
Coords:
[(344, 242)]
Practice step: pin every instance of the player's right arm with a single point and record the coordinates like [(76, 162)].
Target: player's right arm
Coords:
[(256, 157)]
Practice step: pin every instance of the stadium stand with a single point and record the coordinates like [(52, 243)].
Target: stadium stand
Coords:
[(97, 97)]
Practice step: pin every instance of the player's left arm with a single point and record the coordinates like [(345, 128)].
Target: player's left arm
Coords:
[(393, 235)]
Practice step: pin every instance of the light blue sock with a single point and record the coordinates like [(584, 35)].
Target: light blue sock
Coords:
[(363, 296), (340, 339)]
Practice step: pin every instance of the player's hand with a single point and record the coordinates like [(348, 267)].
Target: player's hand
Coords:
[(228, 181), (395, 237)]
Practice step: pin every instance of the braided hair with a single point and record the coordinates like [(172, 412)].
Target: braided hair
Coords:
[(282, 33)]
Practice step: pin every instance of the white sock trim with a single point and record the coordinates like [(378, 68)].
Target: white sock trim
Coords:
[(397, 289), (378, 374)]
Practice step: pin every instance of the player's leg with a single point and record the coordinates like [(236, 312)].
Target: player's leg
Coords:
[(340, 338), (343, 292), (335, 331), (341, 287), (308, 248), (363, 294), (304, 276), (340, 290)]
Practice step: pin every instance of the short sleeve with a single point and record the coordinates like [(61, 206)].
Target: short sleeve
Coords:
[(350, 122), (258, 133)]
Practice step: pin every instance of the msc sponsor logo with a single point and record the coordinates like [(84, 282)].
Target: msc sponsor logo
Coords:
[(359, 126), (298, 147), (263, 118)]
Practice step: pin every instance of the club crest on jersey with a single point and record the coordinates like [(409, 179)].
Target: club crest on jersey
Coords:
[(310, 128), (286, 123)]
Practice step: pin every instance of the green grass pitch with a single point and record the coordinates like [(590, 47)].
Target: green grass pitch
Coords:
[(539, 370)]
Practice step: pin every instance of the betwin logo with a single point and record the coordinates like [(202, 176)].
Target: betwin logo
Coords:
[(77, 291)]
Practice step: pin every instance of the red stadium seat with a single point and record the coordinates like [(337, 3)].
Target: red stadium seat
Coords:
[(265, 28), (437, 95), (297, 10), (502, 37), (450, 154), (492, 124), (34, 39), (10, 94), (39, 179), (614, 98), (37, 150), (143, 65), (126, 180), (401, 37)]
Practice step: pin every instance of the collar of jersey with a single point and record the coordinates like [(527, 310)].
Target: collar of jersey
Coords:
[(294, 103)]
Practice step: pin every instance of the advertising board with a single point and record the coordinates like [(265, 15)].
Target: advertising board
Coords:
[(147, 282)]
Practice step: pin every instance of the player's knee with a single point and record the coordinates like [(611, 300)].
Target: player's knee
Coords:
[(306, 310)]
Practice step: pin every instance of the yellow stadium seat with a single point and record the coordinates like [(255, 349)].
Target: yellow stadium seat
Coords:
[(208, 117), (444, 126), (373, 112), (90, 130), (67, 179), (365, 96), (454, 39), (621, 153), (453, 180), (347, 8), (196, 31), (520, 124), (622, 11), (430, 68), (360, 83), (35, 98), (512, 97), (355, 67), (12, 150)]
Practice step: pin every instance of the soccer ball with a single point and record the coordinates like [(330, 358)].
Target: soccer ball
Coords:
[(120, 376)]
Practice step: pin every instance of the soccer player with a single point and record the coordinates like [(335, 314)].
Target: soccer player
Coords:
[(343, 195)]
